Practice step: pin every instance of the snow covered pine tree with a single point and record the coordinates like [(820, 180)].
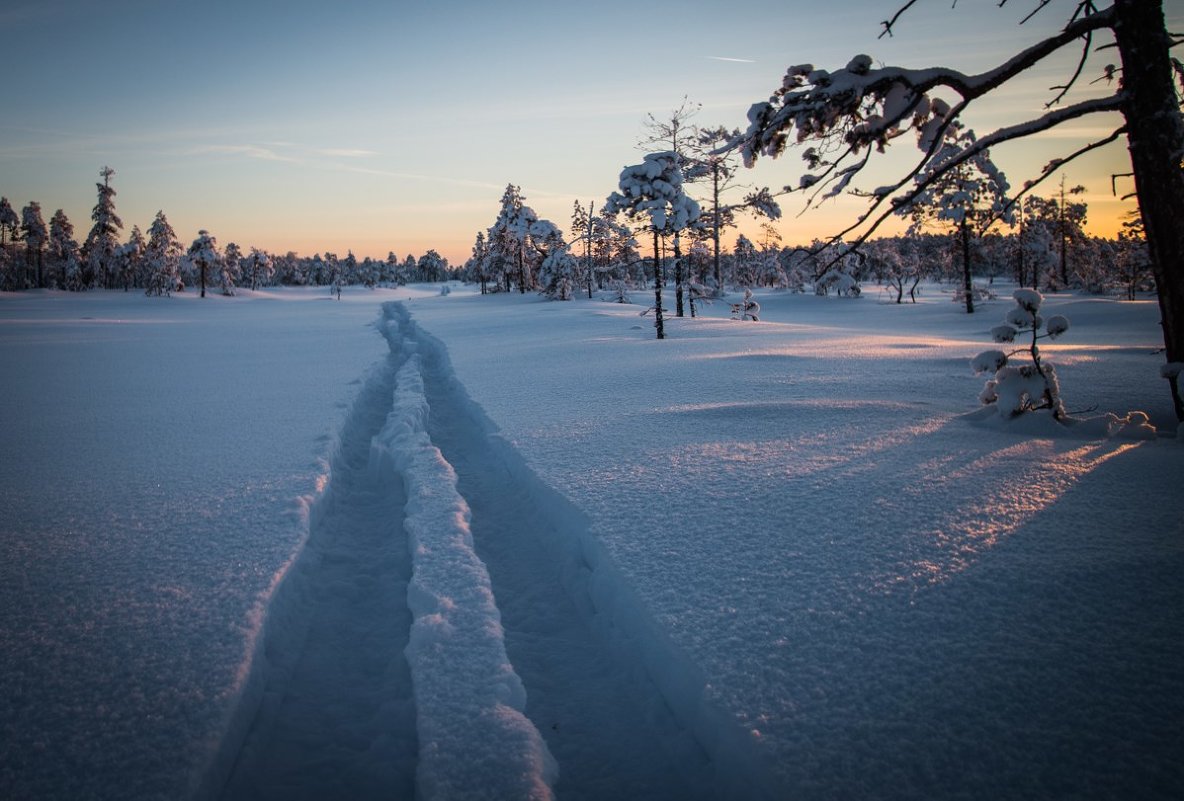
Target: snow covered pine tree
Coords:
[(653, 190)]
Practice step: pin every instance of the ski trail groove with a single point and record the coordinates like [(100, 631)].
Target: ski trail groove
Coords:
[(605, 723), (337, 718)]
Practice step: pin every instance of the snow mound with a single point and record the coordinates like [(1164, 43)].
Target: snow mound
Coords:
[(1041, 423)]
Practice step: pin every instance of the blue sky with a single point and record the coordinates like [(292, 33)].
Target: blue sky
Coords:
[(379, 126)]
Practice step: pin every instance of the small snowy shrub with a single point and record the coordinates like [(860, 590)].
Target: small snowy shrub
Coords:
[(839, 282), (1015, 389), (752, 309)]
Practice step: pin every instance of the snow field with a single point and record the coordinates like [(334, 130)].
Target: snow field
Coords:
[(785, 559), (153, 458), (844, 587)]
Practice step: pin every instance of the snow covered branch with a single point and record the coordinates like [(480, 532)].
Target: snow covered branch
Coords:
[(876, 213), (862, 106)]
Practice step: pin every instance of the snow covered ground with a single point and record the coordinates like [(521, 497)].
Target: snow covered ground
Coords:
[(277, 546)]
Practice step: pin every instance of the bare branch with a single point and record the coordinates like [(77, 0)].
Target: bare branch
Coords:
[(1048, 121), (1078, 28), (1048, 170), (1035, 11), (1088, 40), (888, 23), (1108, 73), (888, 192)]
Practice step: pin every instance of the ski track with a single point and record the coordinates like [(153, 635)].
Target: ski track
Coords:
[(339, 720), (611, 737), (337, 716)]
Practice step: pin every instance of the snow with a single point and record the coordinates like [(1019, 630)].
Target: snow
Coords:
[(842, 587), (469, 700), (1056, 325), (989, 360), (785, 559), (1002, 333), (1029, 300), (156, 454)]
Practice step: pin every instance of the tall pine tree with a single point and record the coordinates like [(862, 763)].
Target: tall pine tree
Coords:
[(103, 239), (35, 233)]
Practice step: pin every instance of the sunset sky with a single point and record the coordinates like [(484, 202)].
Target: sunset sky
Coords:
[(380, 126)]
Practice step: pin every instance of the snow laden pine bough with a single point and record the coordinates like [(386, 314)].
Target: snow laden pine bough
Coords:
[(1015, 389)]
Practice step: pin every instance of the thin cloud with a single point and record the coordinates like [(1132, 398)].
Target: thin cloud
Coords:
[(733, 60), (346, 152), (411, 176), (249, 151)]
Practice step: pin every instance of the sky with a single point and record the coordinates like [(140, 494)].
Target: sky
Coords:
[(395, 126)]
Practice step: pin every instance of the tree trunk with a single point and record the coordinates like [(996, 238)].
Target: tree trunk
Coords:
[(1155, 137), (203, 278), (588, 248), (1064, 241), (967, 283), (658, 288), (1021, 276), (719, 284), (678, 277)]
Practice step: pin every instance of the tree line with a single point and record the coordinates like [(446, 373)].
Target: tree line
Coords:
[(1047, 248), (36, 255)]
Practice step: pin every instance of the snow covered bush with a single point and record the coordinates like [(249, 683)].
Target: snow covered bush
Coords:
[(839, 282), (1015, 389), (752, 309)]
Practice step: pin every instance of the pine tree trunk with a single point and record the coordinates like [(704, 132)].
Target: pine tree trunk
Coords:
[(678, 277), (1021, 276), (719, 283), (588, 248), (658, 289), (967, 283), (1155, 137), (1064, 244)]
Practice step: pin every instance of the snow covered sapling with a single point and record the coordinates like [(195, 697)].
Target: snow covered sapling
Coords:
[(752, 309), (1017, 389)]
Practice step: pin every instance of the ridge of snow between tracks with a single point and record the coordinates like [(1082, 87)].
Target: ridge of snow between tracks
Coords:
[(475, 741)]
